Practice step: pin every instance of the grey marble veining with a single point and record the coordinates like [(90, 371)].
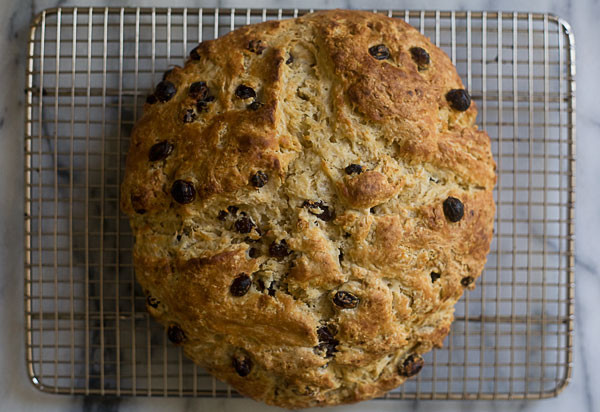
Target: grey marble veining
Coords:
[(17, 394)]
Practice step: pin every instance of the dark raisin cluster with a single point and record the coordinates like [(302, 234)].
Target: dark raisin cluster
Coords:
[(255, 105), (279, 249), (327, 341), (245, 92), (244, 225), (411, 366), (466, 281), (160, 151), (231, 210), (176, 334), (319, 209), (195, 53), (242, 365), (240, 285), (200, 92), (256, 46), (183, 192), (458, 99), (259, 179), (453, 209), (353, 168), (189, 116), (420, 57), (345, 300), (272, 289), (165, 91), (152, 301), (380, 52)]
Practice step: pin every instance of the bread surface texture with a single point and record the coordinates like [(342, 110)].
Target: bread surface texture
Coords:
[(309, 199)]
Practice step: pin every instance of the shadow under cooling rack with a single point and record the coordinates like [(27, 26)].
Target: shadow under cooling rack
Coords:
[(87, 330)]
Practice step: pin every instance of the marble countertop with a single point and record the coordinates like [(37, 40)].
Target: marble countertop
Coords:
[(16, 393)]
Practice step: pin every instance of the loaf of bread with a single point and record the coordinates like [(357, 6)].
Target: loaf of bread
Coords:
[(310, 198)]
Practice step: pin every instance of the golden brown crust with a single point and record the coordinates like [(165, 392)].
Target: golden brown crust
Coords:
[(297, 279)]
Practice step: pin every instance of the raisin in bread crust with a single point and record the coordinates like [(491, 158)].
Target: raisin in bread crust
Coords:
[(297, 279)]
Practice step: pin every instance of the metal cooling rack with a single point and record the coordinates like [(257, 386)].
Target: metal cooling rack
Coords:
[(87, 330)]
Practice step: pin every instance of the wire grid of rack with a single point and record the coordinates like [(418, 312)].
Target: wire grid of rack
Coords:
[(87, 330)]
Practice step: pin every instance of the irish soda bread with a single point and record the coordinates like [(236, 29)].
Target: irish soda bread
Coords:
[(310, 198)]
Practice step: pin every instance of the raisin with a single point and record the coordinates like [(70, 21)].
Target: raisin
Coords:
[(273, 288), (151, 99), (345, 300), (290, 59), (324, 334), (194, 55), (240, 285), (466, 281), (245, 92), (152, 301), (222, 215), (183, 192), (202, 98), (242, 365), (420, 56), (253, 252), (411, 366), (279, 249), (255, 105), (259, 179), (434, 276), (201, 106), (341, 256), (175, 334), (160, 151), (380, 52), (353, 168), (256, 46), (198, 91), (233, 209), (458, 99), (453, 209), (327, 342), (325, 213), (244, 224), (137, 202), (164, 91), (189, 116)]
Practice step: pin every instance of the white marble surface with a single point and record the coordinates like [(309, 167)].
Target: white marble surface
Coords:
[(17, 394)]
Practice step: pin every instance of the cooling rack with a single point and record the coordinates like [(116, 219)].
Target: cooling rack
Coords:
[(87, 331)]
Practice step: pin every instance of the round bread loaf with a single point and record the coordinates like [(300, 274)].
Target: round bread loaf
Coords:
[(310, 198)]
